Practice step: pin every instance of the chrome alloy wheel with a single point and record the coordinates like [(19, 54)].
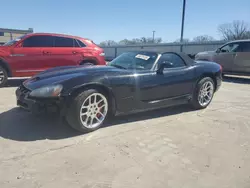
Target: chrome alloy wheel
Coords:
[(2, 76), (206, 93), (93, 110)]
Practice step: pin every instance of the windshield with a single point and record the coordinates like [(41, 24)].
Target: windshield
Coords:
[(135, 60), (14, 41)]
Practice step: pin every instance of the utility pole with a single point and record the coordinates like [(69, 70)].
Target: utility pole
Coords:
[(153, 36), (182, 23)]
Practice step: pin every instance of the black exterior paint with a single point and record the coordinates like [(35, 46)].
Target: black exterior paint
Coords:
[(130, 90)]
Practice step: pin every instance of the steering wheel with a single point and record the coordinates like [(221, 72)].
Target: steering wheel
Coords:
[(132, 66)]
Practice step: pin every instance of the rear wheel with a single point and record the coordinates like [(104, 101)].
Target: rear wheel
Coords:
[(3, 76), (87, 63), (88, 111), (203, 93)]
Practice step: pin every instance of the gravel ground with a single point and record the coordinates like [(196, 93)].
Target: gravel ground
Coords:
[(174, 147)]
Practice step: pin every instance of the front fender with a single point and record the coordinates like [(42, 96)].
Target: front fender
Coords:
[(72, 93), (214, 72), (91, 85)]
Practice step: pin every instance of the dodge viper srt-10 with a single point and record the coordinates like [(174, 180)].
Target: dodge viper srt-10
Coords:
[(133, 82)]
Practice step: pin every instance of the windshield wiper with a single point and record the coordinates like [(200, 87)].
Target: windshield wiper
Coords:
[(118, 66)]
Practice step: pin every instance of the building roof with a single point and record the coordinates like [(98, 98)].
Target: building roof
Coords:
[(6, 30)]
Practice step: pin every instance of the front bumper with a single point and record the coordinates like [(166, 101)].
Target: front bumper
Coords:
[(37, 106)]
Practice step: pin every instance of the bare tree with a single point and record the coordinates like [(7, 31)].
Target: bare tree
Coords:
[(203, 38), (247, 35), (153, 41), (108, 43), (124, 42), (185, 40), (130, 42), (142, 40), (158, 40), (234, 31)]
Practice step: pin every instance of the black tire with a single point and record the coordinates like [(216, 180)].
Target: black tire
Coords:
[(73, 117), (87, 64), (195, 101), (3, 77)]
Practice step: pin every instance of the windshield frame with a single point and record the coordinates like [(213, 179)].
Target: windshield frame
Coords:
[(15, 41), (138, 53)]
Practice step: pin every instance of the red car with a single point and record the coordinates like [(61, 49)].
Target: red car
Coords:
[(36, 52)]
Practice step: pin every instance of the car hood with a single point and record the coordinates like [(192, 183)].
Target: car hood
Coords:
[(60, 75), (3, 49), (71, 70), (207, 53)]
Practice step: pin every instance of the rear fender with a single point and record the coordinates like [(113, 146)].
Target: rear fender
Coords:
[(208, 74), (91, 60)]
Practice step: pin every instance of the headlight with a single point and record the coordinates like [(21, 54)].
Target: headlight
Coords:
[(48, 91)]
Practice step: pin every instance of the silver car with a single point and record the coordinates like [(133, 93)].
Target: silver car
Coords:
[(234, 57)]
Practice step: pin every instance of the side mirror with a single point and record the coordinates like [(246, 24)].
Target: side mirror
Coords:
[(218, 50), (163, 65)]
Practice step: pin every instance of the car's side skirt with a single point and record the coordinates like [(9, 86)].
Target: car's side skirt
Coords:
[(157, 104), (174, 99), (238, 73)]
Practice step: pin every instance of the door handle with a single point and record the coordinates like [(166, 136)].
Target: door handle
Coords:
[(74, 52), (45, 52)]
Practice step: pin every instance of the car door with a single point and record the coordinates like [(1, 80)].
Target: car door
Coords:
[(66, 51), (242, 59), (225, 56), (27, 57), (175, 82)]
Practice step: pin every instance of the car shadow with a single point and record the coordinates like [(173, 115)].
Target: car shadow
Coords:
[(17, 124), (238, 80)]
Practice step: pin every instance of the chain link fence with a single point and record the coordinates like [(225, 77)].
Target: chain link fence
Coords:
[(190, 48)]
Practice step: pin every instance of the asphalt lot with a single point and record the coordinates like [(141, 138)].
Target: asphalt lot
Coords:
[(174, 147)]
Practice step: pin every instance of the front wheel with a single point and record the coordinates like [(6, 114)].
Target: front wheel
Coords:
[(203, 93), (3, 77), (88, 111)]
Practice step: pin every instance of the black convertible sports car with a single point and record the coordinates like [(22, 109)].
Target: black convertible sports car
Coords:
[(132, 82)]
